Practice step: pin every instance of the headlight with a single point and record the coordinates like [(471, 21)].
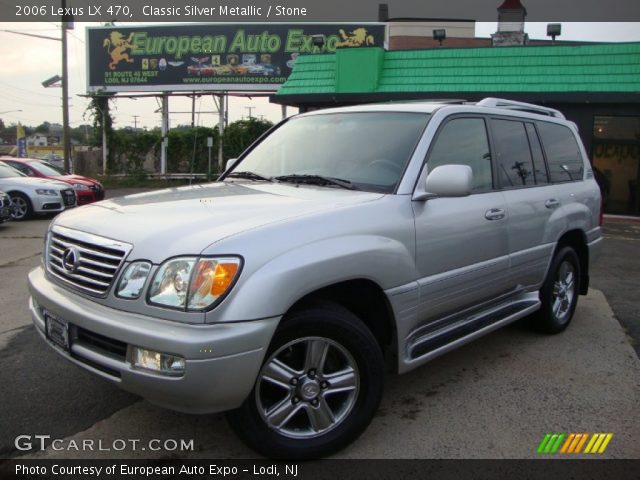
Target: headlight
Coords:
[(80, 186), (132, 280), (189, 283), (47, 191)]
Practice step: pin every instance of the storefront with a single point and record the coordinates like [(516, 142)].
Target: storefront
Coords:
[(595, 85)]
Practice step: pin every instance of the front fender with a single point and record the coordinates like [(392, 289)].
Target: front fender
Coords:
[(282, 281)]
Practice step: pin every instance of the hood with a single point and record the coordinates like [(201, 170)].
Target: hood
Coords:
[(34, 182), (77, 179), (184, 221)]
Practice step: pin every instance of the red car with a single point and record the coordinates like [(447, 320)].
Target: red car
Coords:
[(87, 190)]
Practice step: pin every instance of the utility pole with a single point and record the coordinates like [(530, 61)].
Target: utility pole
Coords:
[(251, 109), (221, 133), (66, 138), (135, 122)]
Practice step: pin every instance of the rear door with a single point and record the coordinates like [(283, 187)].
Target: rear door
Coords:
[(531, 199), (461, 243)]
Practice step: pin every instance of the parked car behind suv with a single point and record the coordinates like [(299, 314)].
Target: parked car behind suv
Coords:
[(34, 195), (342, 241), (87, 189), (6, 207)]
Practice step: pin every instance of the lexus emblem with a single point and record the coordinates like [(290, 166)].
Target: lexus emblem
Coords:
[(70, 259)]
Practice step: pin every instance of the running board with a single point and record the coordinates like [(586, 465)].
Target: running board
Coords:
[(421, 349)]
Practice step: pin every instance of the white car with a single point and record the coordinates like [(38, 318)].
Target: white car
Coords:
[(35, 195)]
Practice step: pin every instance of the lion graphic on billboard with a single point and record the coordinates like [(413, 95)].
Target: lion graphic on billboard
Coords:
[(356, 38), (117, 47)]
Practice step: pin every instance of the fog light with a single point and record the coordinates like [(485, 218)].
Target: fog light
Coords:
[(158, 362)]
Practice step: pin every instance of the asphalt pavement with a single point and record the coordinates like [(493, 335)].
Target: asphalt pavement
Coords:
[(494, 398)]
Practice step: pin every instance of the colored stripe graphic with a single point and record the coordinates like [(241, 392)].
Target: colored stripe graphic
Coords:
[(551, 442), (598, 443), (573, 443)]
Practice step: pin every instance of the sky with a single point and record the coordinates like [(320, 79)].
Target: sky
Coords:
[(28, 61)]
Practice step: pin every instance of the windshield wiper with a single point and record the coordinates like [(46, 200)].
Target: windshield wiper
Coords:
[(316, 180), (250, 176)]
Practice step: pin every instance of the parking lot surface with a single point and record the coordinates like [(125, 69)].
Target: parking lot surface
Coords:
[(494, 398)]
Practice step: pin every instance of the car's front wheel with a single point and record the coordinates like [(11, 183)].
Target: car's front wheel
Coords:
[(318, 388), (22, 208)]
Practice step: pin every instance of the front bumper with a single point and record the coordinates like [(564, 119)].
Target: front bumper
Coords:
[(222, 360)]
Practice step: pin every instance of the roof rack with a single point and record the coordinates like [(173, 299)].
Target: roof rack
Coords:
[(492, 102)]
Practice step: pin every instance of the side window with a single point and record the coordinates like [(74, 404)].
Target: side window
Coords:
[(463, 141), (563, 154), (514, 157), (539, 167)]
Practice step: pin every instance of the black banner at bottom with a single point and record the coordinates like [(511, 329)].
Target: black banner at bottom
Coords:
[(321, 469)]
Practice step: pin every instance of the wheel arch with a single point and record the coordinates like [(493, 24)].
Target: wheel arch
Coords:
[(577, 240), (366, 300)]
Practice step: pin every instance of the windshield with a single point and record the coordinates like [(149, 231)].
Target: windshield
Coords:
[(7, 172), (369, 150), (47, 169)]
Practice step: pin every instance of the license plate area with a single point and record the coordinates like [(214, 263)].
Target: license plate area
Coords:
[(57, 331)]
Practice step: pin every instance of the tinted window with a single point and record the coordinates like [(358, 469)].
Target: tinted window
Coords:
[(563, 155), (539, 167), (463, 141), (514, 158)]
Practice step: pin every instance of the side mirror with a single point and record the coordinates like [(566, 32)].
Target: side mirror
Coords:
[(449, 181), (230, 163)]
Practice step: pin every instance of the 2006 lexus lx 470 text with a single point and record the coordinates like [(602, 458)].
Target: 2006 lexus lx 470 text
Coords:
[(342, 243)]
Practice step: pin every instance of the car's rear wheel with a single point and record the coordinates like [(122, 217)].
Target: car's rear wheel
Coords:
[(22, 208), (559, 294), (318, 388)]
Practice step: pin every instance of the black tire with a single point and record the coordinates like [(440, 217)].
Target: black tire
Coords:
[(25, 210), (549, 319), (341, 330)]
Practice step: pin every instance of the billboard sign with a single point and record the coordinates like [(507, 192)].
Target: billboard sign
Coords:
[(213, 57)]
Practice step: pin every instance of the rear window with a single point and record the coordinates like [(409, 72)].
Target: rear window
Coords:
[(563, 154)]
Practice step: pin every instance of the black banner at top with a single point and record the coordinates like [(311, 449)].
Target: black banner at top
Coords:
[(242, 11)]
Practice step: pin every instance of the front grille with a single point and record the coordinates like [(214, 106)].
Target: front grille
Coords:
[(86, 262), (68, 197), (99, 192)]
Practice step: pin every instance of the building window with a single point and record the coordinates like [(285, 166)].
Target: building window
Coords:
[(616, 162)]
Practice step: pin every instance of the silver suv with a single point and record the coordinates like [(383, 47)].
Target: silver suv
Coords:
[(343, 243)]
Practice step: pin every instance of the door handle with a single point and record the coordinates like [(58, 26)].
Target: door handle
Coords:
[(494, 214), (552, 203)]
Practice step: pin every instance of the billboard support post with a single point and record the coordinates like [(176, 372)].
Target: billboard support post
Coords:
[(164, 133)]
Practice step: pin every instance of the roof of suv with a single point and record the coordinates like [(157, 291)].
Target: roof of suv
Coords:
[(427, 106)]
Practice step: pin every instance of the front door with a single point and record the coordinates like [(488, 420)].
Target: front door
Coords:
[(462, 252)]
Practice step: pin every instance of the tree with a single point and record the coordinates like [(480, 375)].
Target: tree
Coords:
[(43, 127), (242, 133)]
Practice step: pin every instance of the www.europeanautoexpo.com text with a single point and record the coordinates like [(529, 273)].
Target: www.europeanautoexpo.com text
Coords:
[(118, 470)]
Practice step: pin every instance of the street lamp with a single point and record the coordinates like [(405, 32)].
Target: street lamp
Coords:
[(440, 34), (554, 30)]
